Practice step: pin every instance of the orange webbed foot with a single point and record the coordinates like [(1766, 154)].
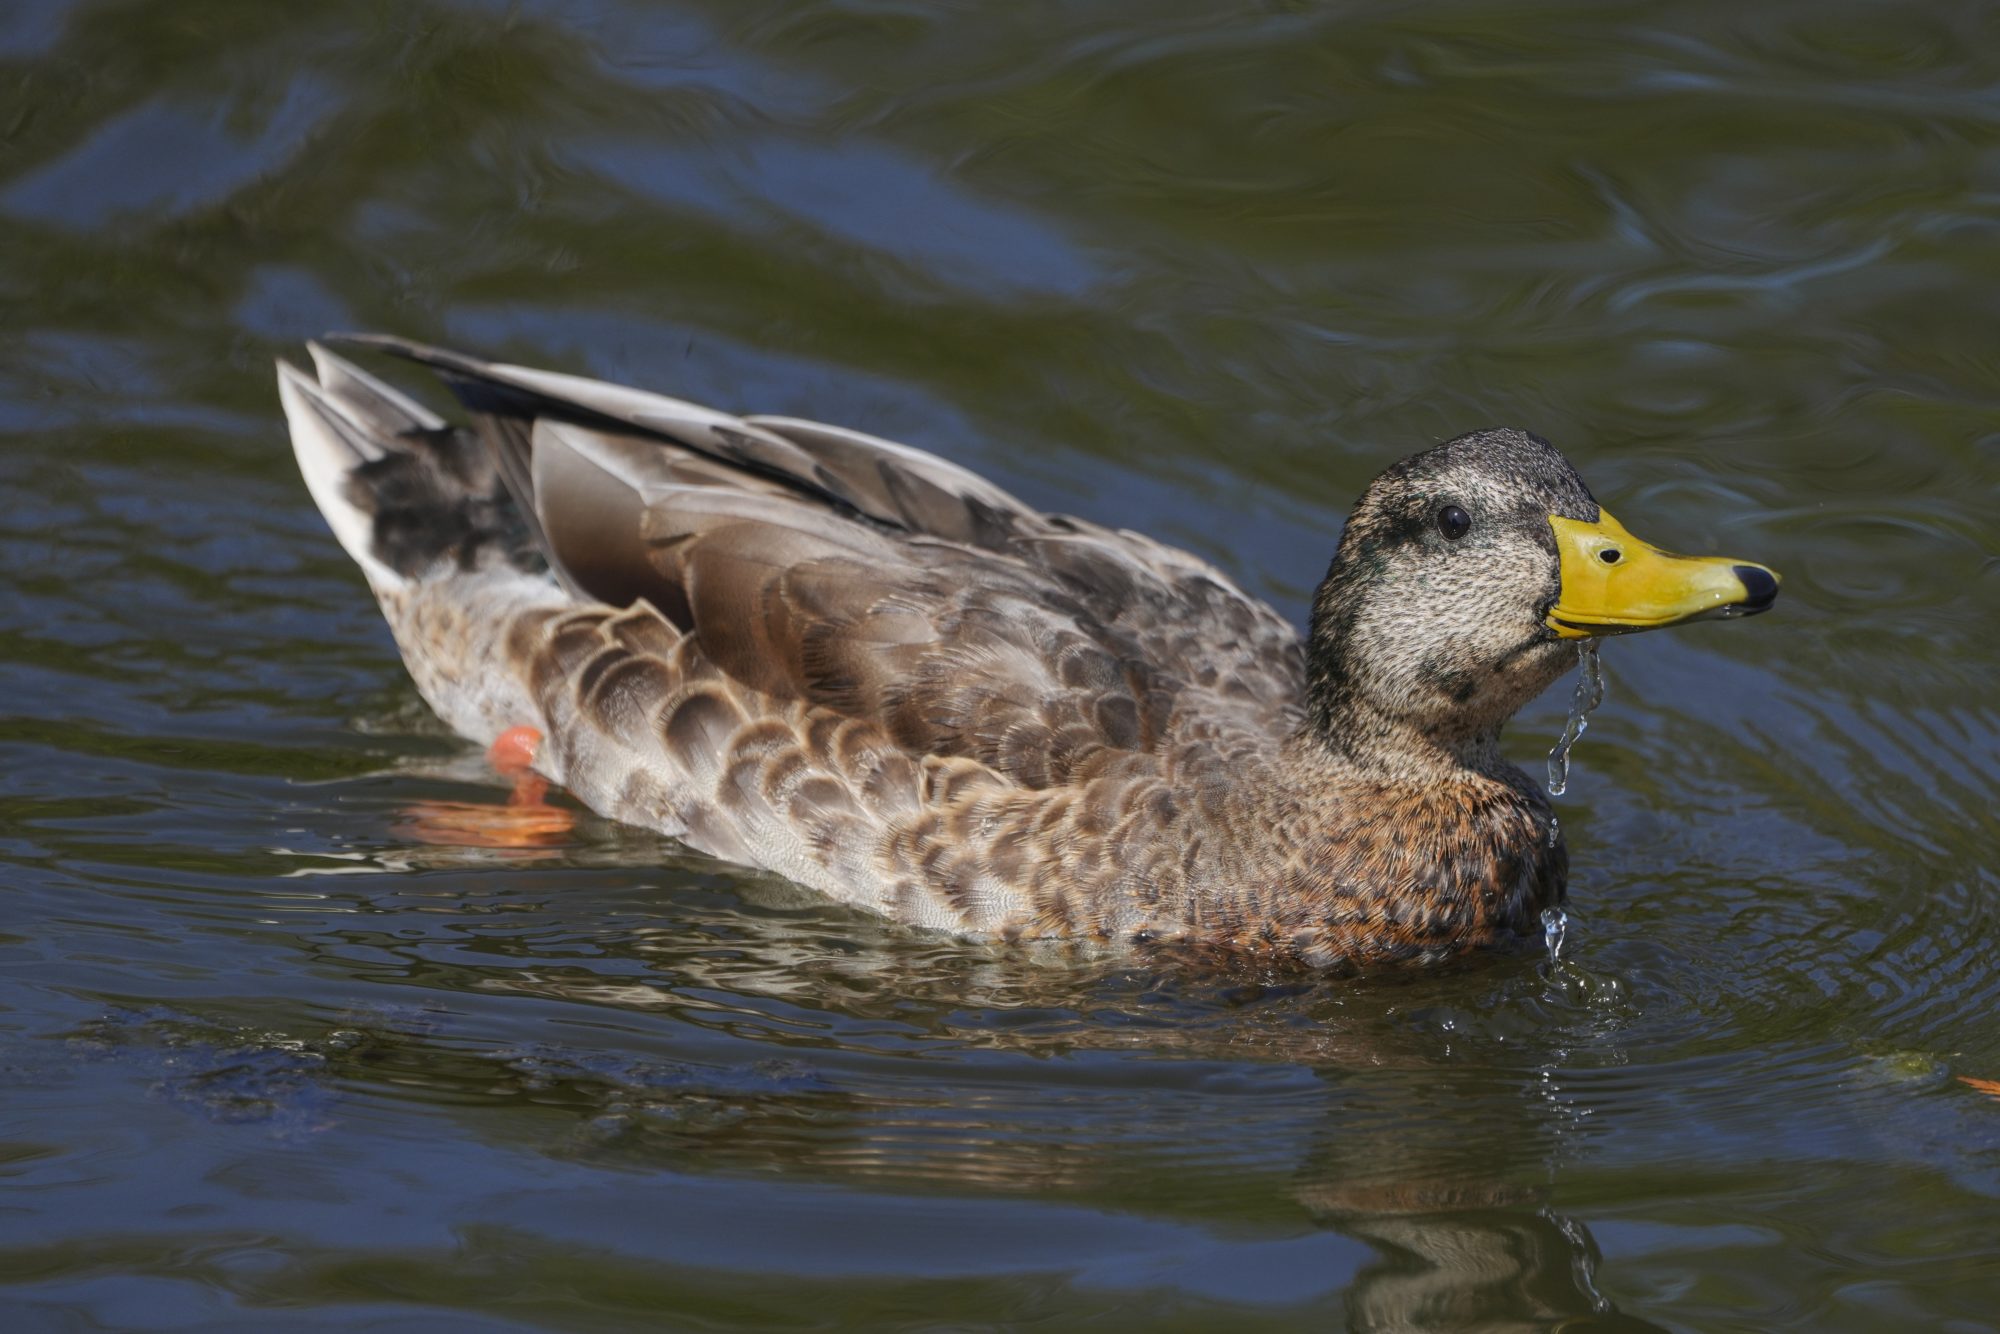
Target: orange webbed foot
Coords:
[(513, 751), (525, 821)]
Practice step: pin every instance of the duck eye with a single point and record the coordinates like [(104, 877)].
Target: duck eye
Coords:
[(1454, 522)]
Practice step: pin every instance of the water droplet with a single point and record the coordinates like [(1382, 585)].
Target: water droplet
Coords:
[(1588, 695), (1555, 925)]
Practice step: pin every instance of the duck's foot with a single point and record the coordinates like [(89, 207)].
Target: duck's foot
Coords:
[(526, 820), (513, 751)]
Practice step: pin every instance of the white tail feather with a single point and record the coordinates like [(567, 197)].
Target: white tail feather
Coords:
[(330, 444)]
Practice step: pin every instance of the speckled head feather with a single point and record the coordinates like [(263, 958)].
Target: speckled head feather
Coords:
[(845, 660), (1424, 635)]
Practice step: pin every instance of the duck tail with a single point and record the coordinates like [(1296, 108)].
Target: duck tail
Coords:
[(422, 509), (407, 494)]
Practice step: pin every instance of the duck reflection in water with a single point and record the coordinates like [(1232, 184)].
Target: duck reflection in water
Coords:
[(1349, 1106)]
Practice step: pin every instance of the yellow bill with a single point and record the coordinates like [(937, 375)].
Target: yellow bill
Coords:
[(1614, 584)]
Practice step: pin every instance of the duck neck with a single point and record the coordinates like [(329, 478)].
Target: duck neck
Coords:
[(1377, 718), (1364, 743)]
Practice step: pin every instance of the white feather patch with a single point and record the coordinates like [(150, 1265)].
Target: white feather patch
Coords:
[(326, 456)]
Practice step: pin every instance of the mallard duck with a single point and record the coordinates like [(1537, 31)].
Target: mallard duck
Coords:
[(802, 648)]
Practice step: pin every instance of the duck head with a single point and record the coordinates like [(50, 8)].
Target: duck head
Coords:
[(1464, 579)]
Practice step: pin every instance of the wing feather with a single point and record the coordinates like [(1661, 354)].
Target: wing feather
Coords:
[(812, 562)]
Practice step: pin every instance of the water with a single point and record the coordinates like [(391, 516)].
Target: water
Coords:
[(1584, 698), (1555, 927), (272, 1058)]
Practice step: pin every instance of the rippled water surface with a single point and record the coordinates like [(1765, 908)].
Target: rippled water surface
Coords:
[(272, 1057)]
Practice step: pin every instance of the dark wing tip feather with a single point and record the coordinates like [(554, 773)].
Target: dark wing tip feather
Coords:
[(410, 350)]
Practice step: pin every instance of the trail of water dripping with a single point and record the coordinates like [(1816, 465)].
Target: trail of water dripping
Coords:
[(1555, 925), (1588, 695)]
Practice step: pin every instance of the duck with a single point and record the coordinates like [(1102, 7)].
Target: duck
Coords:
[(802, 648)]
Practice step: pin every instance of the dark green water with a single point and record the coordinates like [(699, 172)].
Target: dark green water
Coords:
[(266, 1061)]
